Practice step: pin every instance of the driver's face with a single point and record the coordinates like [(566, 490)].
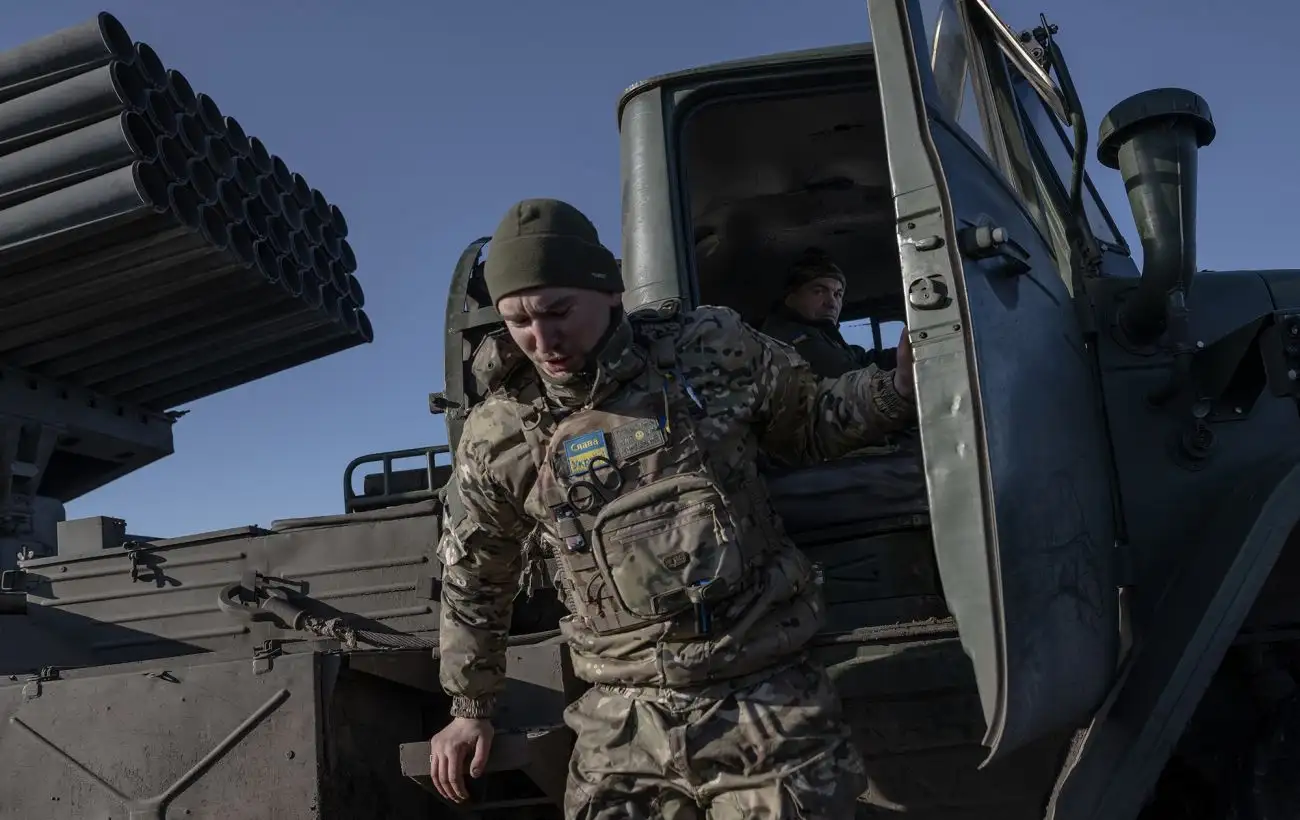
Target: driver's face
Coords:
[(818, 300)]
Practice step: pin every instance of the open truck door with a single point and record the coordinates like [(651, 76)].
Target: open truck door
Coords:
[(1011, 427)]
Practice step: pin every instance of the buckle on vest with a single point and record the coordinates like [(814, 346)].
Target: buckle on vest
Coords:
[(566, 526)]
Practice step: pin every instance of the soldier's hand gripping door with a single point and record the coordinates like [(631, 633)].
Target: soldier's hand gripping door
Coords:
[(1010, 426)]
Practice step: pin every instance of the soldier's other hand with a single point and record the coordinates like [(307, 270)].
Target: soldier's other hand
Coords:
[(459, 741), (904, 379)]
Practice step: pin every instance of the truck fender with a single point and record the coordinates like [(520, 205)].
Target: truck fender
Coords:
[(1115, 763)]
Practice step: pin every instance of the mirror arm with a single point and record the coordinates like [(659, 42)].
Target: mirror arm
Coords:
[(1080, 126), (1056, 60)]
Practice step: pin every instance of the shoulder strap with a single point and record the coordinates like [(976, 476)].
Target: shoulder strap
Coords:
[(495, 360), (663, 351), (658, 327), (536, 426)]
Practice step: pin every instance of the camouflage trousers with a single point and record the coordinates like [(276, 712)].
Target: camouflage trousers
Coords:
[(774, 746)]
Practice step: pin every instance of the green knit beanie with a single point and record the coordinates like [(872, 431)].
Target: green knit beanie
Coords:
[(548, 243), (813, 263)]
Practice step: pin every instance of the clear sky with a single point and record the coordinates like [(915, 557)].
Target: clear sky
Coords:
[(425, 120)]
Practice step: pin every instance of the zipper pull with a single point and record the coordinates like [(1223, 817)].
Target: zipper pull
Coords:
[(719, 532), (703, 612), (663, 392)]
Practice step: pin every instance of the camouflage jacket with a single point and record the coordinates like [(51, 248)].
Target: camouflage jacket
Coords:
[(745, 393), (822, 346)]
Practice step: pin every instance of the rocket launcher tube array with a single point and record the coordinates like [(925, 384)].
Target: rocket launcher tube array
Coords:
[(150, 249), (54, 57)]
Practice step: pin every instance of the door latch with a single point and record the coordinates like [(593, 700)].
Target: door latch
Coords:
[(988, 241), (927, 293)]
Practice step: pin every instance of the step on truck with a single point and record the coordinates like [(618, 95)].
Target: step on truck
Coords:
[(1069, 593)]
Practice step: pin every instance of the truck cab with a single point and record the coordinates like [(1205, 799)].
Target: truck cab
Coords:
[(898, 159), (999, 580)]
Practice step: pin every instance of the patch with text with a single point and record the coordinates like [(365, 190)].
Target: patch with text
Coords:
[(580, 450)]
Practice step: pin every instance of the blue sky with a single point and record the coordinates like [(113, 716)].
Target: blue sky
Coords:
[(425, 120)]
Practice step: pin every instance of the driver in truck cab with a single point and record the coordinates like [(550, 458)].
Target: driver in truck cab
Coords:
[(628, 445), (807, 318)]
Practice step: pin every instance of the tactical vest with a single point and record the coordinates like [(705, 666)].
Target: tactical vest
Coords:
[(639, 524)]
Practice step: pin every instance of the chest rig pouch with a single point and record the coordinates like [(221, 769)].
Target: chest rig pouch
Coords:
[(643, 532)]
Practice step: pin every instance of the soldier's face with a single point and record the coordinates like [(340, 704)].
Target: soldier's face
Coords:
[(819, 300), (558, 328)]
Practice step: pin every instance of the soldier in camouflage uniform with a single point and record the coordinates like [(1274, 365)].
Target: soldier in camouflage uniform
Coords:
[(628, 444), (808, 319)]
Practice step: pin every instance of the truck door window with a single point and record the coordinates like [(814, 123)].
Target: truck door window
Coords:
[(968, 115), (950, 63), (1055, 146)]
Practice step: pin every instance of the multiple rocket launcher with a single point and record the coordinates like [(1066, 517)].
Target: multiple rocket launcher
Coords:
[(150, 250)]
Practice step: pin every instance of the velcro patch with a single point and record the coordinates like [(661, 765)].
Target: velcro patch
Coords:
[(580, 450), (637, 437), (676, 560)]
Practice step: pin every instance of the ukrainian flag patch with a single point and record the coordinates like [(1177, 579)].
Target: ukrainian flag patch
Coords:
[(580, 450)]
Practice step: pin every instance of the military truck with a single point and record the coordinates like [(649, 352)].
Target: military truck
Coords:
[(1065, 595)]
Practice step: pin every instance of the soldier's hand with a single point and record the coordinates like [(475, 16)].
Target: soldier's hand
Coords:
[(449, 750), (904, 379)]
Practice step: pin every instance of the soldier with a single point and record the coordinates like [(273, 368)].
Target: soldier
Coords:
[(808, 319), (628, 444)]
